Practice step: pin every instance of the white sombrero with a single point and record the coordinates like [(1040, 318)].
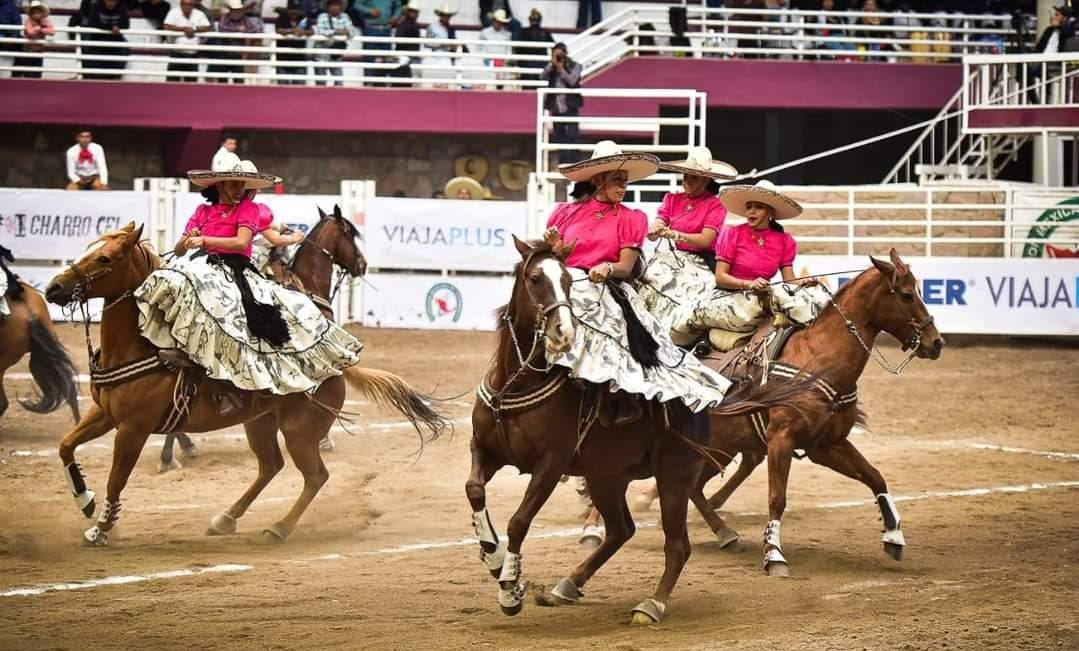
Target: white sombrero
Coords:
[(458, 183), (446, 10), (607, 157), (231, 168), (700, 163), (735, 198), (499, 16), (37, 4)]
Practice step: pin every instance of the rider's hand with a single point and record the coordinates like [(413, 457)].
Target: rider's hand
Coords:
[(195, 242), (655, 231), (551, 235), (296, 237), (600, 272), (760, 284), (810, 282)]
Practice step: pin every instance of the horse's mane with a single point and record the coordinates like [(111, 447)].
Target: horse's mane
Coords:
[(151, 254)]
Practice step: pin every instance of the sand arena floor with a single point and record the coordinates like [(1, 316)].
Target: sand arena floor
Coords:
[(382, 560)]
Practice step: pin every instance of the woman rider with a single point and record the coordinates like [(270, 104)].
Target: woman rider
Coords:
[(684, 270), (210, 305), (609, 237), (747, 257)]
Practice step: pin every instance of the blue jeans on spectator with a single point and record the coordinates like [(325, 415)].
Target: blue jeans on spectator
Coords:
[(588, 13), (377, 31), (567, 133)]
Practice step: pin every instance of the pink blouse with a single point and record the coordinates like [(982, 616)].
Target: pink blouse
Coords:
[(265, 217), (755, 254), (225, 221), (692, 215), (38, 29), (601, 230)]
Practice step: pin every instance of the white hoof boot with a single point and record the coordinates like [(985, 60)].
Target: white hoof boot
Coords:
[(84, 497), (485, 532), (894, 543), (191, 451), (222, 524), (775, 564), (327, 444), (591, 537), (171, 464), (727, 537), (95, 537), (511, 592), (566, 592), (648, 612), (86, 503)]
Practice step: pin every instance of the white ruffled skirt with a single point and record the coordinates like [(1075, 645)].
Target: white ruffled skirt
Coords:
[(671, 279), (195, 306), (600, 351), (741, 311)]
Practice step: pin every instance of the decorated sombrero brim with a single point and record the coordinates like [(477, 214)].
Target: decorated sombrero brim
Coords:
[(735, 198), (717, 169), (458, 183), (252, 180), (637, 165)]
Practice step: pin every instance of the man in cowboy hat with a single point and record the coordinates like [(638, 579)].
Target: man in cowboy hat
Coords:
[(496, 33), (37, 27), (564, 72), (536, 34), (379, 17)]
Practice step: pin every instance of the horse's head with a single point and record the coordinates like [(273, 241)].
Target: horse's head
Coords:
[(339, 239), (541, 293), (106, 270), (901, 312)]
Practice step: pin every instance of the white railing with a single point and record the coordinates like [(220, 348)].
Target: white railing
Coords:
[(794, 34), (1020, 81), (263, 58)]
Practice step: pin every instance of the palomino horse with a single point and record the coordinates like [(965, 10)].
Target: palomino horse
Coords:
[(29, 329), (333, 242), (884, 298), (143, 398), (528, 415)]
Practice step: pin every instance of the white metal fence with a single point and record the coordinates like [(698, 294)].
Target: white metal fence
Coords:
[(1020, 81)]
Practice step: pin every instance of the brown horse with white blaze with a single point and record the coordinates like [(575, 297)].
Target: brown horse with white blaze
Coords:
[(114, 266), (528, 415)]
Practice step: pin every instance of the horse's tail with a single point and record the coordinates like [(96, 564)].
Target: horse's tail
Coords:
[(53, 371), (798, 393), (389, 390)]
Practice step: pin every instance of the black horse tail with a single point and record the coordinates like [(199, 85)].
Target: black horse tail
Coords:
[(642, 346), (53, 371)]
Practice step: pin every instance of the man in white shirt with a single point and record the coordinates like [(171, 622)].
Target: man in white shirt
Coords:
[(227, 150), (495, 38), (86, 166), (190, 23)]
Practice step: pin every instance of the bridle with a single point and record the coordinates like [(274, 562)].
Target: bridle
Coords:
[(539, 332), (341, 270), (911, 343)]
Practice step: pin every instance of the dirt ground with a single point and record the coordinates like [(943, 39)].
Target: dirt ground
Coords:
[(990, 561)]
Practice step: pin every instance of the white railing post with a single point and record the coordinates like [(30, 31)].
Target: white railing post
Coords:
[(929, 222), (850, 222)]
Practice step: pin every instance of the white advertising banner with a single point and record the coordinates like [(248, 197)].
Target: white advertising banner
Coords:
[(299, 211), (57, 224), (400, 300), (1015, 296), (440, 234), (1051, 220)]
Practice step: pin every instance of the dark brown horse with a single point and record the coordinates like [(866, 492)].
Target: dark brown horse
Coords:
[(113, 267), (884, 298), (332, 243), (536, 426), (29, 329)]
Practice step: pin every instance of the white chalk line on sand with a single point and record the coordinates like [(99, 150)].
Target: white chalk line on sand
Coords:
[(462, 542)]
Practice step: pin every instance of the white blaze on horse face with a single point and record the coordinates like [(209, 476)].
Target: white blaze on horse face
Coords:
[(553, 270), (94, 246)]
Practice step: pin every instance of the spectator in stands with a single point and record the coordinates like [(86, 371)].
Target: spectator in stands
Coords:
[(295, 28), (379, 17), (190, 23), (310, 9), (407, 27), (236, 21), (154, 11), (495, 38), (1059, 30), (441, 53), (870, 6), (204, 10), (564, 72), (9, 15), (111, 18), (489, 7), (86, 166), (737, 30), (224, 153), (830, 28), (36, 28), (589, 12), (335, 25), (536, 34)]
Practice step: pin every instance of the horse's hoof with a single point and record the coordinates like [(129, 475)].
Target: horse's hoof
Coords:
[(727, 537), (512, 610), (641, 503), (276, 534), (86, 503), (894, 550), (222, 524), (565, 593), (591, 537), (511, 600), (647, 613), (95, 537), (191, 451), (326, 444), (777, 569), (171, 464)]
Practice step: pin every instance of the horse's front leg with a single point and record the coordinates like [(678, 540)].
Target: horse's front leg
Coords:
[(94, 424), (780, 454), (125, 453), (484, 467)]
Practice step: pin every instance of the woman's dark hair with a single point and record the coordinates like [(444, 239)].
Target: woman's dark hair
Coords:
[(774, 224), (712, 187), (211, 194), (582, 191)]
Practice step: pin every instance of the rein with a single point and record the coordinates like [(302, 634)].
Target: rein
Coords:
[(336, 279)]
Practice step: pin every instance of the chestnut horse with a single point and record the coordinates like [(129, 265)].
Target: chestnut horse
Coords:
[(332, 243), (29, 329), (112, 268), (528, 415)]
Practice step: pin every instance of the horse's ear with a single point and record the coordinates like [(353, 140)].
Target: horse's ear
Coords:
[(133, 234), (321, 213), (337, 212), (128, 227), (563, 250), (886, 268), (898, 262), (522, 247)]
